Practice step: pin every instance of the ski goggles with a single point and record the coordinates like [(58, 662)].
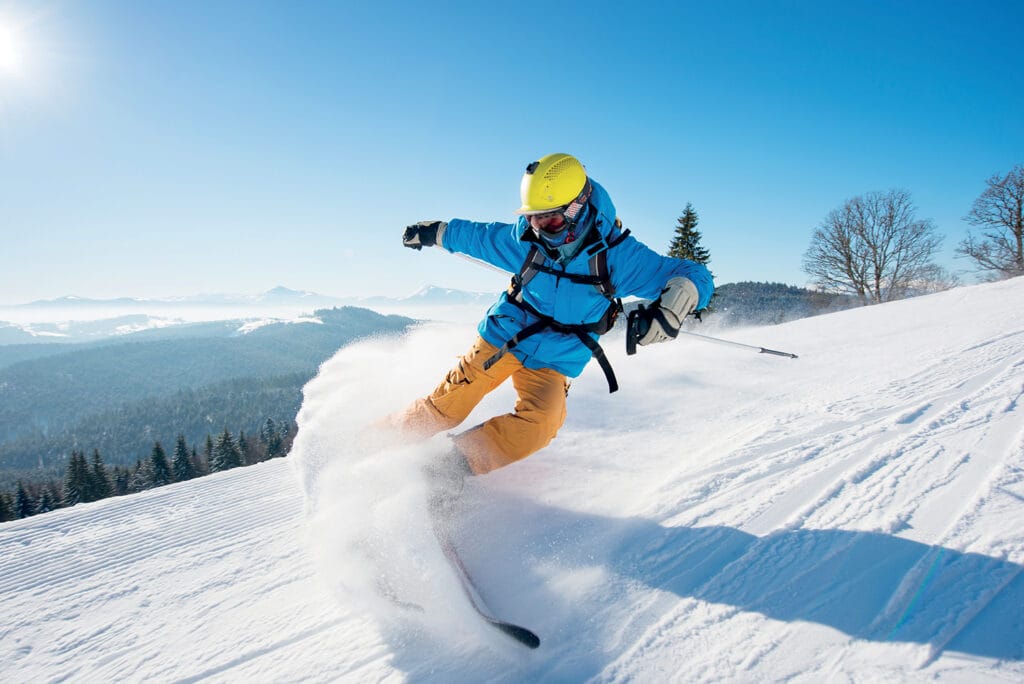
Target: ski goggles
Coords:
[(551, 222)]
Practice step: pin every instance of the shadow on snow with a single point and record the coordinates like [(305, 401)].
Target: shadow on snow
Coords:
[(871, 586)]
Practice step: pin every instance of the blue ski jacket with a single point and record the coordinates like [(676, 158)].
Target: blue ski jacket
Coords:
[(634, 269)]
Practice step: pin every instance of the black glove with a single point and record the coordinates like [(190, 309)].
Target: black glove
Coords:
[(422, 234)]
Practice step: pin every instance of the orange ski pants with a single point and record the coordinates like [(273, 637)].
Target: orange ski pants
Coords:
[(539, 410)]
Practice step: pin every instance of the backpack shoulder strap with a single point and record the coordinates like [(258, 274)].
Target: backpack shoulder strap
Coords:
[(599, 261), (534, 259)]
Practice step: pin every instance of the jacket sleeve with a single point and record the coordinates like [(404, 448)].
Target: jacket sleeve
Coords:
[(495, 243), (638, 270)]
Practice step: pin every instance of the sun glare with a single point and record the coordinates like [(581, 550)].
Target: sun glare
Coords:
[(11, 51)]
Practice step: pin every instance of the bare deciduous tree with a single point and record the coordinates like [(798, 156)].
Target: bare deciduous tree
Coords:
[(999, 212), (873, 247)]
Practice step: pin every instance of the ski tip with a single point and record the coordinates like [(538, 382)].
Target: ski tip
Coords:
[(520, 634)]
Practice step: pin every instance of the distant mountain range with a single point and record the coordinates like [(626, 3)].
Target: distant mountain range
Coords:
[(80, 319), (77, 319), (275, 297)]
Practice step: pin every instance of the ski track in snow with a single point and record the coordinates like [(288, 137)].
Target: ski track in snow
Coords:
[(853, 515)]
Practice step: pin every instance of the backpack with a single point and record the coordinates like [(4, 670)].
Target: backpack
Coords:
[(599, 277)]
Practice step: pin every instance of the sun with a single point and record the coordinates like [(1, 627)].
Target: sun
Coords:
[(11, 51)]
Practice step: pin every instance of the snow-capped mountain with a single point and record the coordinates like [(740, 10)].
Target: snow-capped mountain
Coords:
[(856, 514), (75, 319), (82, 330), (277, 295), (431, 295)]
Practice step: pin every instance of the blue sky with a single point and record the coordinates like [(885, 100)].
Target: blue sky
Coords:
[(163, 148)]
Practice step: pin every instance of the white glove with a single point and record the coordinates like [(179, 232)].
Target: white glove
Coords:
[(677, 300)]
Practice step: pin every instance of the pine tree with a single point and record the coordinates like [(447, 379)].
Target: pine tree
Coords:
[(268, 429), (75, 481), (45, 503), (686, 243), (99, 478), (54, 488), (159, 469), (182, 464), (244, 449), (271, 437), (122, 481), (225, 453), (200, 466), (24, 505), (6, 509), (139, 479)]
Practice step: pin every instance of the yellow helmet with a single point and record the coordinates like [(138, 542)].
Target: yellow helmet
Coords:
[(551, 182)]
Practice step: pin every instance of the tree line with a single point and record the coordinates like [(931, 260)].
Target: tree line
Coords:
[(875, 248), (90, 479)]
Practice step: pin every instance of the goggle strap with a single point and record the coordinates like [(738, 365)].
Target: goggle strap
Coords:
[(573, 209)]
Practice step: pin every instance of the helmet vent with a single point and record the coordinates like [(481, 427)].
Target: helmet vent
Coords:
[(559, 166)]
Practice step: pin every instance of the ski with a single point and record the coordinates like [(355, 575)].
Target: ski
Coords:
[(387, 592), (519, 633)]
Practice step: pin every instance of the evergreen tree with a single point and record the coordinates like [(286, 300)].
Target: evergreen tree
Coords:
[(139, 479), (245, 450), (208, 454), (271, 438), (99, 478), (225, 453), (268, 429), (54, 488), (45, 503), (182, 465), (122, 481), (75, 480), (24, 505), (200, 466), (686, 242), (159, 469), (6, 509)]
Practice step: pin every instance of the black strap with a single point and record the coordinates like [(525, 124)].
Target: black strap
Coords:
[(651, 313), (582, 332), (530, 268), (578, 278), (599, 277), (602, 360)]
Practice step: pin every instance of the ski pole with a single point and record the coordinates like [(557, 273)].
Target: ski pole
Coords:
[(739, 345), (478, 262), (631, 333)]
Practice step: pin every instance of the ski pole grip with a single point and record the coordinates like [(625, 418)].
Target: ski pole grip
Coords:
[(631, 332)]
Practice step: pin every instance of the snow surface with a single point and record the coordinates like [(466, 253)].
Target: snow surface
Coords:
[(856, 514), (251, 326)]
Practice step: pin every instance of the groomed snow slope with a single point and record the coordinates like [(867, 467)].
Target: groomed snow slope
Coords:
[(856, 514)]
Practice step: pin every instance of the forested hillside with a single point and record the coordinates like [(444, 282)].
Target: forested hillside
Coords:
[(121, 397), (749, 303)]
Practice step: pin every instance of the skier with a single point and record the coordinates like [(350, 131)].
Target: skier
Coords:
[(572, 259)]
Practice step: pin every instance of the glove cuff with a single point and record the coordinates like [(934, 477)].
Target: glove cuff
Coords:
[(680, 297), (666, 315)]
